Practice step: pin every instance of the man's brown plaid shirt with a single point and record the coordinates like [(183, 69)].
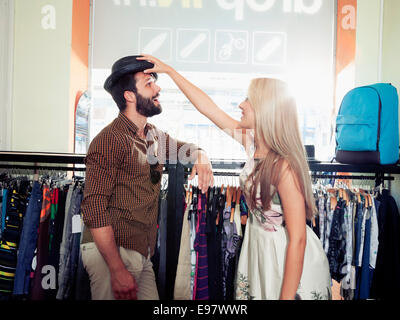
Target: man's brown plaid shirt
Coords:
[(118, 191)]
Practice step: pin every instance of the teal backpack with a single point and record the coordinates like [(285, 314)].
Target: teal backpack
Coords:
[(367, 126)]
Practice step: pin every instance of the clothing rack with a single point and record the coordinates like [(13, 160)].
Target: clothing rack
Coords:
[(177, 177)]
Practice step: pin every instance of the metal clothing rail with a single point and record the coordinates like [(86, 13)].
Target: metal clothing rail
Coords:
[(41, 167), (352, 177), (43, 159)]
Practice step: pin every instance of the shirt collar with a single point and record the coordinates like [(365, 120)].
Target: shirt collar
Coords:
[(131, 126)]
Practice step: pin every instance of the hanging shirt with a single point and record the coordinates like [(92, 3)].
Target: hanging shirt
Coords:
[(329, 218), (322, 218), (365, 214), (374, 236), (118, 189)]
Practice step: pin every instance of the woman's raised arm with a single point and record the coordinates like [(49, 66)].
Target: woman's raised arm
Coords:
[(201, 101)]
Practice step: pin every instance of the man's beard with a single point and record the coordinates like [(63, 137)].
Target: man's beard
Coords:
[(146, 106)]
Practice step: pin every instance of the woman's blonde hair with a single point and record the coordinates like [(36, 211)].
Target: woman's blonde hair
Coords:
[(278, 129)]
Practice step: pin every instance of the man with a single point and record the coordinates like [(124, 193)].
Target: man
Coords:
[(123, 173)]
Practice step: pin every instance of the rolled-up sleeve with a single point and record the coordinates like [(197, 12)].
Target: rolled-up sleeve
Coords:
[(102, 162)]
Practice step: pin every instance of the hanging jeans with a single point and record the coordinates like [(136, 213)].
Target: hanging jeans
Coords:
[(69, 250), (82, 283), (28, 241), (365, 272)]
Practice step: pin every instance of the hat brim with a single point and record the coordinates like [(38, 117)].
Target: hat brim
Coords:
[(137, 66)]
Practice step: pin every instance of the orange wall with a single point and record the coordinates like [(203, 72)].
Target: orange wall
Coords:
[(346, 43), (346, 38), (79, 57)]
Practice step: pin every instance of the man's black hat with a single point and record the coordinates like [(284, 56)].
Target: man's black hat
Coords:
[(126, 65)]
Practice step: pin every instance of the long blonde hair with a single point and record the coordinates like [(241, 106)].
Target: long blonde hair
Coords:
[(277, 129)]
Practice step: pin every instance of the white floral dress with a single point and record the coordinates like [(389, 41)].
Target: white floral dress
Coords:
[(262, 259)]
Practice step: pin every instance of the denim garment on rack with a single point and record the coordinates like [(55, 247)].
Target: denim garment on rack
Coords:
[(364, 272), (28, 241), (337, 243), (69, 252), (82, 285), (72, 274)]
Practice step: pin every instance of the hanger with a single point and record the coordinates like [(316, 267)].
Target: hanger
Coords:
[(164, 183), (186, 187), (228, 199), (346, 197), (190, 194), (343, 192), (364, 193), (333, 197)]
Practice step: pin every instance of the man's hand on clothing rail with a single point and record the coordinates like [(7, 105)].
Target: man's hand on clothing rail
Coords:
[(203, 168)]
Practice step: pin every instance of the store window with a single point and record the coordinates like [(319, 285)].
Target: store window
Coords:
[(220, 46)]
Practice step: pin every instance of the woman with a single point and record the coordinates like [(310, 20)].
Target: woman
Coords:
[(281, 257)]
